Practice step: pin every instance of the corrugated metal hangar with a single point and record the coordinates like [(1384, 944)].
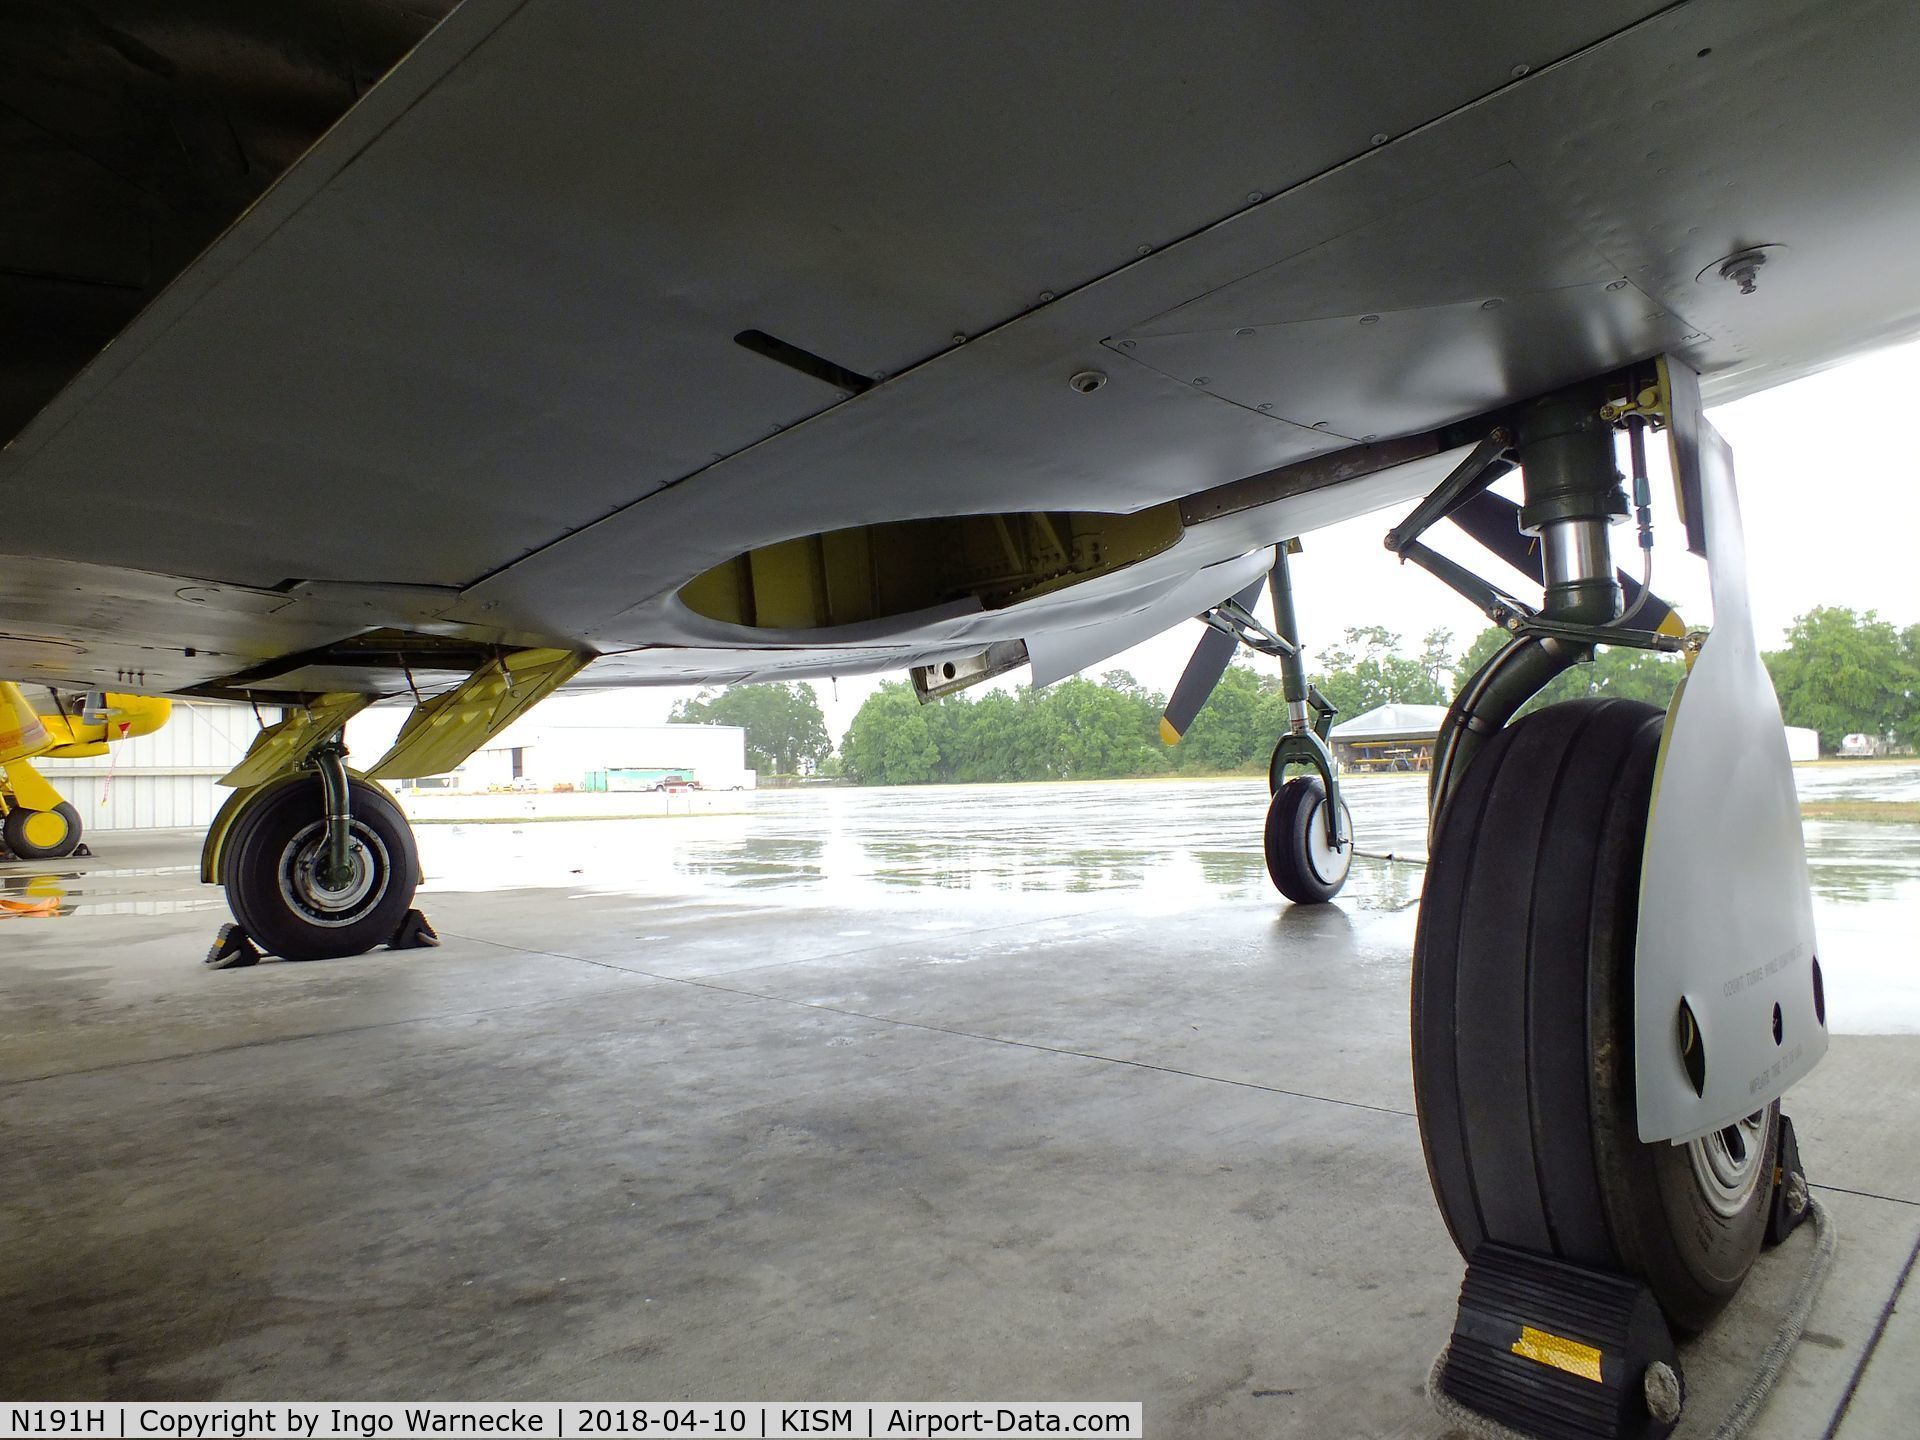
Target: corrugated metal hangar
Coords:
[(164, 779)]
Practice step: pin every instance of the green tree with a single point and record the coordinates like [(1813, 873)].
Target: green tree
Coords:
[(1906, 729), (1622, 671), (1078, 729), (1235, 728), (1367, 671), (783, 722), (890, 742), (1843, 673), (1104, 728), (1436, 655)]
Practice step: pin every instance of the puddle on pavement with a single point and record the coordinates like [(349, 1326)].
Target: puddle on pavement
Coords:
[(1150, 847)]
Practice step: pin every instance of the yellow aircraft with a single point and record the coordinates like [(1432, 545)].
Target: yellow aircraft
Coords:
[(35, 823)]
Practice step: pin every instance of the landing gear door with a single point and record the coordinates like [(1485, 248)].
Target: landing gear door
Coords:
[(1728, 1009)]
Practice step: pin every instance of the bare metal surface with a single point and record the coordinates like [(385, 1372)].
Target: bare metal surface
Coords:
[(1575, 550), (1726, 917)]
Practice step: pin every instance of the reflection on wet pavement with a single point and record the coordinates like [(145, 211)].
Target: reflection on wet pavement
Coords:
[(1150, 847), (28, 892), (1173, 839)]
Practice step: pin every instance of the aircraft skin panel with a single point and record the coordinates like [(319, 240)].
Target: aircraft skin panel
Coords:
[(161, 633), (498, 300), (474, 354)]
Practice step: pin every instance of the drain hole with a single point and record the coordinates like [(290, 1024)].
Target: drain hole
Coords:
[(1779, 1028), (805, 361), (1819, 993)]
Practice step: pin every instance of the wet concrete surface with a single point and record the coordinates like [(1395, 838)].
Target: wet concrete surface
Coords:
[(983, 1092)]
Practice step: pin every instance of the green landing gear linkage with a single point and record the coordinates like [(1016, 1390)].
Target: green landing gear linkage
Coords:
[(1573, 495), (1309, 834)]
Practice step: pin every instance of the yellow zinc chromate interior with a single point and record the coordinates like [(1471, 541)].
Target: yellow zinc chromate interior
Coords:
[(872, 572)]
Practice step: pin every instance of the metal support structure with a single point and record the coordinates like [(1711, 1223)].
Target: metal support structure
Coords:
[(1486, 463), (1572, 494), (1517, 672), (1309, 716), (330, 760)]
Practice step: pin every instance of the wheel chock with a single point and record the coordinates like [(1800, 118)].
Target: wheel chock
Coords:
[(82, 851), (1547, 1348), (414, 934), (1792, 1199), (232, 949)]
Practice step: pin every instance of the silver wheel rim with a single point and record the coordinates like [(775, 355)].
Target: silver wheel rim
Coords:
[(1727, 1163), (332, 906), (1329, 864)]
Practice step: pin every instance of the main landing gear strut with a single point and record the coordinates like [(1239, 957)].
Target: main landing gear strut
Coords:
[(1524, 970)]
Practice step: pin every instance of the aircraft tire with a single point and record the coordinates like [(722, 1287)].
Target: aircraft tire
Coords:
[(37, 834), (1523, 1024), (268, 868), (1304, 868)]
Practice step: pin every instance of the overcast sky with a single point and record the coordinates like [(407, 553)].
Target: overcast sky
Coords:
[(1829, 474)]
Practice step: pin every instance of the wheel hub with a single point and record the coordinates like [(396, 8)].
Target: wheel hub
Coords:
[(45, 828), (1727, 1163), (332, 900), (1329, 864)]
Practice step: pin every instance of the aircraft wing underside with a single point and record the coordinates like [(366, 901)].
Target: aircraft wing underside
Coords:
[(582, 303)]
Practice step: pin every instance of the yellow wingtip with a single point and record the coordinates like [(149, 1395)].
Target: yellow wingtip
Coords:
[(1168, 735)]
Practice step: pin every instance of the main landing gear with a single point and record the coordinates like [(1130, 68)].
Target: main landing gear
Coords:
[(40, 834), (317, 864), (1523, 1021), (1530, 955)]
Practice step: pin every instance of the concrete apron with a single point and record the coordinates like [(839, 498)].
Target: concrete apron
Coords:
[(764, 1141)]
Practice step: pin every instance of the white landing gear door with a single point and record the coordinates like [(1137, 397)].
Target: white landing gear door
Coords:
[(1726, 916)]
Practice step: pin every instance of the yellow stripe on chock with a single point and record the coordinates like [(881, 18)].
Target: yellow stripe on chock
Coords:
[(1559, 1352)]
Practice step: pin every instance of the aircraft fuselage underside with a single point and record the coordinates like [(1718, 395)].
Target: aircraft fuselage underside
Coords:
[(501, 313)]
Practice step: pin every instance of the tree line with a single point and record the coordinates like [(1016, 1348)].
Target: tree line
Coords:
[(1839, 673)]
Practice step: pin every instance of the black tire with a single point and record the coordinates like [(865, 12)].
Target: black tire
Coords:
[(19, 822), (1523, 1022), (1303, 867), (271, 887)]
